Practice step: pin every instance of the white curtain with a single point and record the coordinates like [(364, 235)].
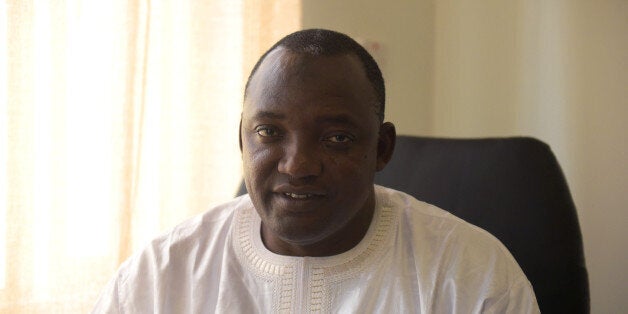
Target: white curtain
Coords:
[(118, 119)]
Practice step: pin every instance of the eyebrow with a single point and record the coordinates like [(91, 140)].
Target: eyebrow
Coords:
[(323, 119), (335, 119), (269, 115)]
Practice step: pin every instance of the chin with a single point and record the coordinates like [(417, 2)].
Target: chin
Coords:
[(302, 239), (299, 234)]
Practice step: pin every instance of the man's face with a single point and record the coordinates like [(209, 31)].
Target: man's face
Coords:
[(309, 136)]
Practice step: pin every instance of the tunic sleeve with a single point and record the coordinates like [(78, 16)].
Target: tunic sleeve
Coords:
[(518, 299), (109, 301)]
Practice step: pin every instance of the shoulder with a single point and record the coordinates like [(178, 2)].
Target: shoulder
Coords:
[(195, 234), (446, 249), (439, 232), (184, 238), (187, 251), (437, 227)]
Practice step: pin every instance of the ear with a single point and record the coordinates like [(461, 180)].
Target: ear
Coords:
[(385, 145), (240, 134)]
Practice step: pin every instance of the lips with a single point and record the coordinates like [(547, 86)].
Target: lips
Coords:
[(298, 196), (301, 196), (300, 193)]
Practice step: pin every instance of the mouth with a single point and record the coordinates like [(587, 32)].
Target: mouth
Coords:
[(292, 202), (299, 196)]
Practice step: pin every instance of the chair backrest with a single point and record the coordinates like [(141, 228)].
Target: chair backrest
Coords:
[(514, 189)]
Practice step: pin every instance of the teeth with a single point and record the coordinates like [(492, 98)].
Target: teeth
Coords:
[(298, 196)]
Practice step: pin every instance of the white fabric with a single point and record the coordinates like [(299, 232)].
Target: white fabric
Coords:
[(415, 258)]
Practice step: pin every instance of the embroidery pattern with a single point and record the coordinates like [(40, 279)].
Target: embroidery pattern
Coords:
[(322, 275), (281, 276)]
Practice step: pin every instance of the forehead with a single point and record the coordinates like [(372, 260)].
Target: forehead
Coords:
[(291, 81)]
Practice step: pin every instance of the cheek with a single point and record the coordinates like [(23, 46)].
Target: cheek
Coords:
[(356, 168), (257, 160), (257, 173), (363, 160), (263, 159)]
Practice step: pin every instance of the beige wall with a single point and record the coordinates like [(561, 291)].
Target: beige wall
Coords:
[(403, 31), (555, 70)]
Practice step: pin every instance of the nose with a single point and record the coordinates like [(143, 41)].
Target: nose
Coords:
[(300, 160)]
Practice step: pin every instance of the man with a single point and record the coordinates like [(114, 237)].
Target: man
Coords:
[(314, 234)]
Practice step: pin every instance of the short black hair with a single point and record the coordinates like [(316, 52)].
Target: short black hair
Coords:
[(322, 42)]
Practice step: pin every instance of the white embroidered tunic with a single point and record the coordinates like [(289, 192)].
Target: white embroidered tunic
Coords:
[(414, 258)]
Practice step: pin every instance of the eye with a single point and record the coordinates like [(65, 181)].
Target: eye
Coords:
[(266, 131), (339, 138)]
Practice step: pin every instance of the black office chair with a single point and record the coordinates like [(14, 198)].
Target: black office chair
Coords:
[(511, 187)]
